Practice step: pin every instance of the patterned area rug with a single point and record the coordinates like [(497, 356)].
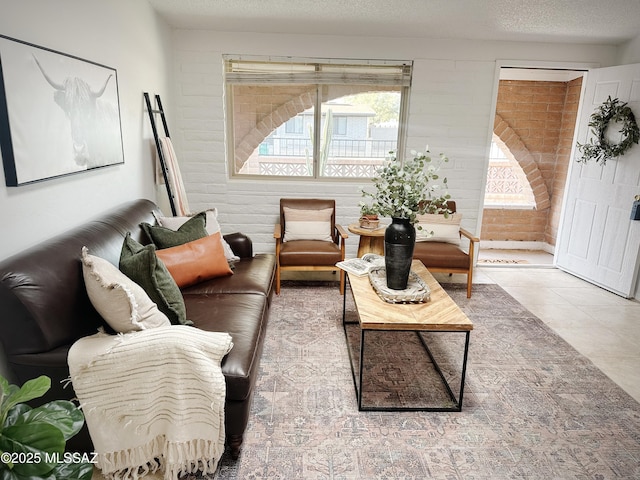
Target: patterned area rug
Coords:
[(533, 407)]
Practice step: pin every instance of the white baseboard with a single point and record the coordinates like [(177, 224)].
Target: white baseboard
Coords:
[(516, 245)]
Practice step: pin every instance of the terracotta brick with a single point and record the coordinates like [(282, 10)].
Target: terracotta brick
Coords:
[(522, 98), (542, 116), (555, 107)]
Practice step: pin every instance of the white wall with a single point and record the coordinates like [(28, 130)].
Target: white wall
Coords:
[(121, 34), (630, 52), (451, 109)]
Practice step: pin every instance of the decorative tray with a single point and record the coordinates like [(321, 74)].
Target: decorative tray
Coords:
[(416, 292)]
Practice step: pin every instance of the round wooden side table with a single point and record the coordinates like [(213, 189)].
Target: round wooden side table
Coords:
[(371, 240)]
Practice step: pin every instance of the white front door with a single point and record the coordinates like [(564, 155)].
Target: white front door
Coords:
[(597, 240)]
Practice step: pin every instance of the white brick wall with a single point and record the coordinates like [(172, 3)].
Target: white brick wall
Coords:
[(451, 109)]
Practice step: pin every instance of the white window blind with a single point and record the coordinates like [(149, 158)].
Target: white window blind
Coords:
[(243, 70)]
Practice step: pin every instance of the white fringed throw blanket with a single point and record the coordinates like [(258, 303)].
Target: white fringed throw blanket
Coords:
[(153, 400)]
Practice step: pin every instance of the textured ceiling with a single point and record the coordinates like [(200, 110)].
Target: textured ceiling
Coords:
[(568, 21)]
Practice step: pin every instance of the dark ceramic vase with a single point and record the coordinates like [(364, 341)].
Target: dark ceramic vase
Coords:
[(399, 241)]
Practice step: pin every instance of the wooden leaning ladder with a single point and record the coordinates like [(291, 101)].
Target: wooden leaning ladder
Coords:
[(163, 164)]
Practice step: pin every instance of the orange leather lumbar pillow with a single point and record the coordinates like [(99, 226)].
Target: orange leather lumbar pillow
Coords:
[(196, 261)]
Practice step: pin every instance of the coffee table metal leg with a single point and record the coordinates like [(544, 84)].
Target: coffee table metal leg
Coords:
[(346, 337), (464, 368), (359, 379), (344, 300), (359, 390), (457, 403)]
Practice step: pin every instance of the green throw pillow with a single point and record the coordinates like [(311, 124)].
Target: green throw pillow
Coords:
[(140, 264), (192, 229)]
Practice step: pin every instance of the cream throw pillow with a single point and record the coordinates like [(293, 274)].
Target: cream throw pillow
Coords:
[(123, 304), (307, 224), (437, 228), (212, 226)]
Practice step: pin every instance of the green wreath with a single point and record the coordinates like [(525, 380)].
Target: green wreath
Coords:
[(601, 150)]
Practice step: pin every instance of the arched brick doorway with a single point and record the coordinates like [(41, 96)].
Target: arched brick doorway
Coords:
[(535, 121)]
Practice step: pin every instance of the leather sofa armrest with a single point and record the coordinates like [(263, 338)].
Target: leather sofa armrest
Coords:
[(277, 231), (241, 245)]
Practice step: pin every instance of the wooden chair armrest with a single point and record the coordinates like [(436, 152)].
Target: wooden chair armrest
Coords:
[(277, 231), (343, 233), (469, 235)]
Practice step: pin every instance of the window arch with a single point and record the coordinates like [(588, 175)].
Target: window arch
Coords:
[(315, 118), (506, 136), (507, 184)]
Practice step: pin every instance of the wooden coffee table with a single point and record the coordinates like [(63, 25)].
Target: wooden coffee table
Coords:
[(439, 314)]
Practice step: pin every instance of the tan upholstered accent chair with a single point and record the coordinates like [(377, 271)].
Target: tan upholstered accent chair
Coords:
[(297, 253), (448, 257)]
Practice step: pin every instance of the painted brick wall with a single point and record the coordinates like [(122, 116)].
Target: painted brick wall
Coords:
[(542, 115), (565, 143), (450, 109)]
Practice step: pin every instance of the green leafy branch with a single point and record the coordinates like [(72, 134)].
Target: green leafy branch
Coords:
[(410, 188), (600, 150)]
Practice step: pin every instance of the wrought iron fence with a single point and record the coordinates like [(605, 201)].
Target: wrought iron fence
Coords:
[(301, 147)]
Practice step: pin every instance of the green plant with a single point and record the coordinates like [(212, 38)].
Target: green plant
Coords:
[(409, 188), (326, 138), (612, 110), (33, 440), (366, 209)]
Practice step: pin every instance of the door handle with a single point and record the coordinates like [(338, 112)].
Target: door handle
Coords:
[(635, 210)]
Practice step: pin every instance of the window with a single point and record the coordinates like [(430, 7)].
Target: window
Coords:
[(340, 125), (507, 184), (294, 125), (314, 118)]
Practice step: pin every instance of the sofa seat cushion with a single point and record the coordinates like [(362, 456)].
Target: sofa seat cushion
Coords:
[(251, 275), (244, 317), (309, 252), (441, 255)]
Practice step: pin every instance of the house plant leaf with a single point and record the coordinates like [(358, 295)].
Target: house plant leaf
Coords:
[(35, 440), (12, 395), (60, 413), (73, 471), (11, 475)]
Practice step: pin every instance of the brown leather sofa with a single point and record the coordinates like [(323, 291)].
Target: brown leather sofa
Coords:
[(44, 308)]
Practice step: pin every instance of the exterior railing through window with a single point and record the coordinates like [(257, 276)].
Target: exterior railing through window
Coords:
[(347, 158), (299, 147)]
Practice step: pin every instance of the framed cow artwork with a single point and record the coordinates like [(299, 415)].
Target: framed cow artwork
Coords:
[(59, 114)]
